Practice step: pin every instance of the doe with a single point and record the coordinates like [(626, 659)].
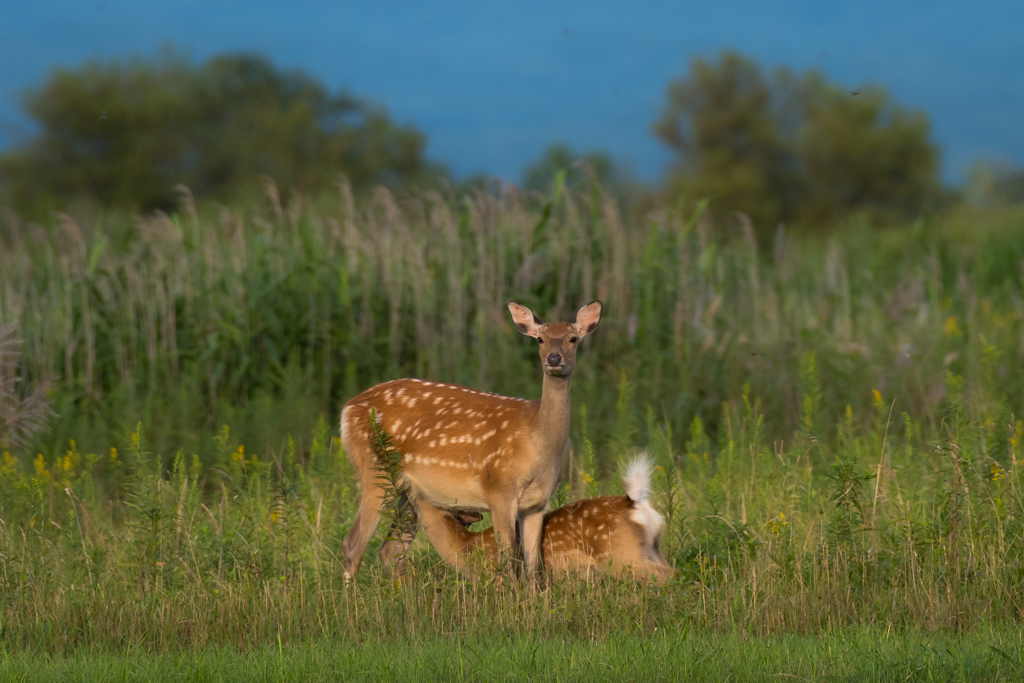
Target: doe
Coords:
[(469, 450)]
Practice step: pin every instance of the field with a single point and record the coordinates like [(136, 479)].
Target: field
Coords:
[(834, 418)]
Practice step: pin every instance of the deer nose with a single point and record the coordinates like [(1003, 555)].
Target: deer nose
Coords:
[(554, 359)]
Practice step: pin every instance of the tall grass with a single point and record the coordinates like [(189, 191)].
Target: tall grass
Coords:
[(836, 422)]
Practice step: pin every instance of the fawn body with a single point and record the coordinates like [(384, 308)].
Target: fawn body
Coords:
[(468, 449), (618, 534)]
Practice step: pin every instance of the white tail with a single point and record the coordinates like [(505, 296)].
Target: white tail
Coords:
[(637, 477), (469, 450)]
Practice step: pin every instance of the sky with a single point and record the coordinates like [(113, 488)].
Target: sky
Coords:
[(492, 84)]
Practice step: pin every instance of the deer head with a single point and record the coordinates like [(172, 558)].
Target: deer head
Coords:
[(558, 341)]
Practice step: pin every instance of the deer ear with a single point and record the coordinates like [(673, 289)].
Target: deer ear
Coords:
[(588, 318), (526, 322)]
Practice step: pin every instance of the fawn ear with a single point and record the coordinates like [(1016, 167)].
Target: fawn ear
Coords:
[(526, 322), (588, 318)]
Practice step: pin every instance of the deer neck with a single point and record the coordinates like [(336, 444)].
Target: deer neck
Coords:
[(551, 423)]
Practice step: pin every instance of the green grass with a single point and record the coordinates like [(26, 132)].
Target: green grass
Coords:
[(858, 655), (836, 425)]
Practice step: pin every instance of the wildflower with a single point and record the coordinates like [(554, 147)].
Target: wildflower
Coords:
[(877, 396), (135, 439), (997, 471), (42, 473), (775, 526), (239, 455), (950, 328), (113, 454)]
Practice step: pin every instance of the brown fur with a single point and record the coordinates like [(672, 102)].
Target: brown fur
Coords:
[(469, 449), (591, 534)]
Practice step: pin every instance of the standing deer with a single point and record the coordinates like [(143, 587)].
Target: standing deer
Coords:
[(469, 450), (617, 534)]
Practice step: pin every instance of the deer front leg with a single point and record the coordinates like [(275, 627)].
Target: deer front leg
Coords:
[(533, 525), (503, 519)]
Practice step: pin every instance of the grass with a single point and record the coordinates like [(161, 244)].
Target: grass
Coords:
[(835, 424), (866, 654)]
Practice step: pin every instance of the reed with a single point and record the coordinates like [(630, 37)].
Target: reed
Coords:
[(836, 422)]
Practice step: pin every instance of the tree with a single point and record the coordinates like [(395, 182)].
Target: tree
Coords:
[(581, 170), (792, 148), (539, 175), (723, 125), (126, 133), (862, 152)]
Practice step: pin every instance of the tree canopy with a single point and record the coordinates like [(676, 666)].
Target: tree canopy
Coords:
[(125, 133), (786, 147)]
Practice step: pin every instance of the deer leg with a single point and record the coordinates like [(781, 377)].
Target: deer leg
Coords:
[(392, 553), (503, 519), (439, 527), (533, 525), (367, 519)]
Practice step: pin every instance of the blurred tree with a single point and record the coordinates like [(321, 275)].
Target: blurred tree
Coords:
[(723, 125), (862, 152), (793, 148), (579, 168), (126, 133), (994, 181)]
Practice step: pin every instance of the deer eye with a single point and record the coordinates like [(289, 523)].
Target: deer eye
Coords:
[(573, 340), (540, 340)]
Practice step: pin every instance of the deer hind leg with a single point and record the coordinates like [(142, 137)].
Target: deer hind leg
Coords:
[(367, 519), (393, 552)]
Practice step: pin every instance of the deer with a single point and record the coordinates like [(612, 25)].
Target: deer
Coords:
[(617, 534), (470, 450)]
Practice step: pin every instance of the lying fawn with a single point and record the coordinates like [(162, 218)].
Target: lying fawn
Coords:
[(618, 534), (467, 449)]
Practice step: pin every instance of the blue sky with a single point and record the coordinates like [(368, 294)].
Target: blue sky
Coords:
[(492, 84)]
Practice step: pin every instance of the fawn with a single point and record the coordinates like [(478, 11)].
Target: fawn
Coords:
[(467, 449), (618, 534)]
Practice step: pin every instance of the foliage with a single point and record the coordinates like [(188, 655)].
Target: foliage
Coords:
[(22, 414), (580, 171), (994, 182), (789, 147), (190, 492), (124, 133), (396, 510)]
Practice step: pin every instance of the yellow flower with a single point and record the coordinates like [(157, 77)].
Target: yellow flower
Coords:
[(775, 526), (877, 396), (135, 438), (113, 454), (950, 328), (40, 466), (997, 472)]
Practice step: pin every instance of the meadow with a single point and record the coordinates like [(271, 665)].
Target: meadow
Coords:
[(834, 416)]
